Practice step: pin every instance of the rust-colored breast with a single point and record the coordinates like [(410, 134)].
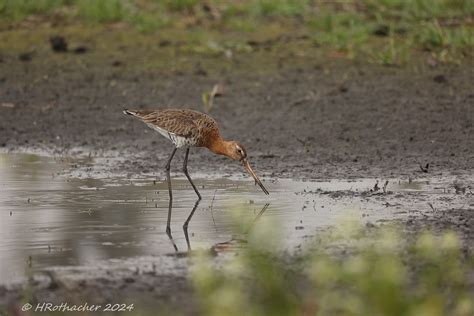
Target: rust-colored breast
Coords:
[(195, 125)]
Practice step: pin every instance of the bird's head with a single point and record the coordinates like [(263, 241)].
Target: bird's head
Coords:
[(236, 151)]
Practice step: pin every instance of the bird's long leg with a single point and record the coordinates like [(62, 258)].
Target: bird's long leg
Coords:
[(168, 178), (172, 240), (186, 223), (185, 170)]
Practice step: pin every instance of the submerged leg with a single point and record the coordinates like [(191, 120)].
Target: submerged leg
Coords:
[(168, 232), (185, 170), (168, 178)]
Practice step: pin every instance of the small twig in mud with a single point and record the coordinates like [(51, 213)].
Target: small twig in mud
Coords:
[(425, 168), (301, 141), (385, 187), (314, 205), (208, 97), (300, 101), (387, 204), (311, 96), (432, 207), (376, 187), (305, 142)]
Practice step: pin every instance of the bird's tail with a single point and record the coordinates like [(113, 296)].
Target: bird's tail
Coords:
[(130, 112), (140, 114)]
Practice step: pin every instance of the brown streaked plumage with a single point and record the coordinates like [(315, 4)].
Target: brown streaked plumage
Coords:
[(199, 129), (188, 128)]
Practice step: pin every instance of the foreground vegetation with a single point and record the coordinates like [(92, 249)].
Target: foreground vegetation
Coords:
[(385, 31), (352, 270), (348, 271)]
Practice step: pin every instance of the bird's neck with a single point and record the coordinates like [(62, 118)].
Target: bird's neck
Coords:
[(219, 146)]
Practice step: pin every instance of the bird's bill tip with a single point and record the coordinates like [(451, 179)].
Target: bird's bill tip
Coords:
[(254, 176)]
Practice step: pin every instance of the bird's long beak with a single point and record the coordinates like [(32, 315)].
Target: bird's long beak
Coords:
[(254, 175)]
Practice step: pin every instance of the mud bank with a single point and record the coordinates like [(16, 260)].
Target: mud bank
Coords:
[(329, 119)]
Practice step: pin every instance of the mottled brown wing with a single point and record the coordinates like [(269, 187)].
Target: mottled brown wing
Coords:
[(185, 123)]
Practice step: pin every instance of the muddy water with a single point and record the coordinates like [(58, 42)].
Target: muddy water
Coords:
[(49, 220)]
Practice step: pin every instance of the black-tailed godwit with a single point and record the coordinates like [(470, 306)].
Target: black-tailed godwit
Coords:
[(188, 128)]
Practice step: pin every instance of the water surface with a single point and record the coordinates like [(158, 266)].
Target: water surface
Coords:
[(48, 220)]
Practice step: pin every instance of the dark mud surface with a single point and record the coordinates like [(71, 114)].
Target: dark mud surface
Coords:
[(329, 119)]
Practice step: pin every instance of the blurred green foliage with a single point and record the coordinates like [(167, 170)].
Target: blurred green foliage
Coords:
[(386, 31), (348, 271), (102, 11)]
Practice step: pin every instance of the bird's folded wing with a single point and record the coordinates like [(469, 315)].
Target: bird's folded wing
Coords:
[(177, 122)]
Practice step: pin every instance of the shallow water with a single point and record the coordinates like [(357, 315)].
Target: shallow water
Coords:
[(48, 220)]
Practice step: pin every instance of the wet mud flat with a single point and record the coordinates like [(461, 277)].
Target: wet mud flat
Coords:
[(103, 239), (301, 117)]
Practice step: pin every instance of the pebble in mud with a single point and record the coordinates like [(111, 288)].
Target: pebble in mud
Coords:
[(382, 30), (80, 50), (58, 44), (440, 79), (27, 56)]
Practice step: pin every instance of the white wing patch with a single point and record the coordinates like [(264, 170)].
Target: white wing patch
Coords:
[(178, 141)]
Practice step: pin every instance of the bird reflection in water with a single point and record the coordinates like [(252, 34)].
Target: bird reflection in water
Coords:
[(234, 243), (185, 225), (220, 246)]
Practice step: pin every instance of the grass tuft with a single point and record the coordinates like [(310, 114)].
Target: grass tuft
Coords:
[(181, 5), (279, 7), (19, 9), (102, 11)]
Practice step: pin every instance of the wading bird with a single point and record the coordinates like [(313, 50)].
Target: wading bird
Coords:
[(188, 128)]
